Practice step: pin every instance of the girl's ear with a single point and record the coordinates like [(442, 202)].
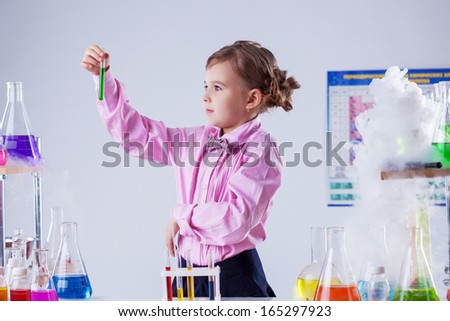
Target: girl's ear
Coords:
[(254, 99)]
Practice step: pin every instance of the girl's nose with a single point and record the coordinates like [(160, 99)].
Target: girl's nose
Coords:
[(206, 97)]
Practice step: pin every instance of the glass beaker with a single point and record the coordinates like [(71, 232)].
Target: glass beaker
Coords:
[(336, 264), (54, 236), (70, 275), (309, 276), (415, 281), (42, 287), (16, 132), (377, 255), (441, 136)]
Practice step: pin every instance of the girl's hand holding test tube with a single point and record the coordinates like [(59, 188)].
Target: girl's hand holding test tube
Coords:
[(92, 59)]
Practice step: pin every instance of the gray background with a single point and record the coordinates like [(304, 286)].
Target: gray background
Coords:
[(158, 49)]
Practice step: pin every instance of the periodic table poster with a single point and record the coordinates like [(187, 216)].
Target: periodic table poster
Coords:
[(348, 96)]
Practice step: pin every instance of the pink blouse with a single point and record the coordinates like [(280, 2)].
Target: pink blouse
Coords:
[(224, 194)]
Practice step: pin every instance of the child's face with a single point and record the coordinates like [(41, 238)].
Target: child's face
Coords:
[(225, 98)]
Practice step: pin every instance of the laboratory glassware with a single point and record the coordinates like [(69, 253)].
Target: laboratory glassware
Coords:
[(69, 275), (415, 281), (378, 288), (42, 287), (309, 275), (19, 289), (190, 278), (441, 136), (16, 134), (3, 285), (336, 264), (168, 278), (53, 241), (377, 254)]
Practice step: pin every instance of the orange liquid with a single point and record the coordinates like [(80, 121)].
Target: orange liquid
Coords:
[(3, 294), (337, 293)]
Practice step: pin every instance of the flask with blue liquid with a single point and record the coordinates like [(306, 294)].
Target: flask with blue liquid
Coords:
[(69, 275), (378, 288)]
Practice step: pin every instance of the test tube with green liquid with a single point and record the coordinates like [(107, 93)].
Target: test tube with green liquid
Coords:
[(101, 85)]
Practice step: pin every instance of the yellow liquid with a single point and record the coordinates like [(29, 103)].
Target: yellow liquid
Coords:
[(180, 294), (190, 286), (306, 289), (3, 294)]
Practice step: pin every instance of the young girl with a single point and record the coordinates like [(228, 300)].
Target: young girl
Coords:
[(227, 172)]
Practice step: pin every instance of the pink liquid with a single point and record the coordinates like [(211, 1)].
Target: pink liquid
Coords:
[(45, 295), (20, 295)]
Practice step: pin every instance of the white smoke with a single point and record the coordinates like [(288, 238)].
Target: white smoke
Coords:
[(397, 130)]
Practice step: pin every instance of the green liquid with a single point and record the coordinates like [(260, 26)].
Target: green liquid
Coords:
[(101, 85), (441, 153), (420, 294)]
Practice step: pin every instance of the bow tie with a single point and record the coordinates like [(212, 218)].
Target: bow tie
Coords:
[(218, 143)]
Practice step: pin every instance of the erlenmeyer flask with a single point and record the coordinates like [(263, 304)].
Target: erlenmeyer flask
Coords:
[(415, 282), (42, 287), (336, 263), (16, 133), (309, 276), (54, 236), (377, 255), (441, 136), (70, 275)]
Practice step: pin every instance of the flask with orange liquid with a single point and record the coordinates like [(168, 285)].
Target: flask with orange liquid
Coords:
[(336, 264)]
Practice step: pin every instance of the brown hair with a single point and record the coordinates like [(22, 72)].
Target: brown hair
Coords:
[(258, 68)]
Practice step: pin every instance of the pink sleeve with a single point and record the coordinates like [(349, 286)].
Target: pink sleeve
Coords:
[(138, 135), (250, 191)]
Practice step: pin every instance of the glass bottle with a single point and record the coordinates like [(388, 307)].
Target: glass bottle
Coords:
[(42, 287), (415, 282), (70, 275), (19, 241), (336, 263), (378, 288), (309, 276), (19, 289), (16, 131), (14, 259), (377, 254), (441, 136), (53, 241), (3, 285)]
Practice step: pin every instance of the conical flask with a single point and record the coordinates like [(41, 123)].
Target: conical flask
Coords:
[(53, 241), (336, 263), (16, 133), (377, 255), (309, 276), (441, 136), (42, 287), (70, 275), (415, 281)]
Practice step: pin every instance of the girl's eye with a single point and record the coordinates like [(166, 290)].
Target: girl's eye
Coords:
[(205, 87), (217, 88)]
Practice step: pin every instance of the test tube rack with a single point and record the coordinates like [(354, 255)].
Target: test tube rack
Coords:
[(196, 271)]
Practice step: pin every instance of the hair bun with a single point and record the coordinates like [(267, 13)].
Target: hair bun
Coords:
[(281, 90)]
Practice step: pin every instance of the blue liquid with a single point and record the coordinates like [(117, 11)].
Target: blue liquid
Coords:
[(362, 288), (22, 147), (72, 287)]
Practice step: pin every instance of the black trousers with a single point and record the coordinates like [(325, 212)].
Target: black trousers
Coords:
[(240, 276)]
